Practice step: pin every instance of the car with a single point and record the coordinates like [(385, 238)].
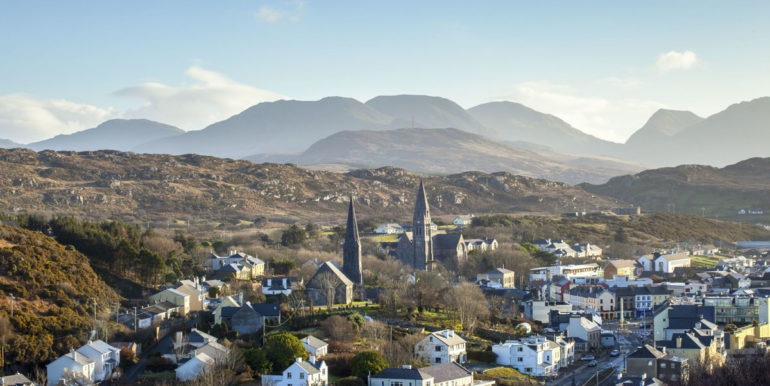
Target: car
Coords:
[(592, 364), (587, 358), (614, 353)]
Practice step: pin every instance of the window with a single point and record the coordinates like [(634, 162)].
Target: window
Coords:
[(397, 384), (438, 348), (301, 375), (521, 359), (288, 375), (521, 349), (438, 360), (431, 339)]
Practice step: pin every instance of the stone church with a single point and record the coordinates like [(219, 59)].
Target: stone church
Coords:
[(423, 248), (340, 284)]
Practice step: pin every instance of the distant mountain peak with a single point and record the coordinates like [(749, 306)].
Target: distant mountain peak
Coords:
[(115, 134)]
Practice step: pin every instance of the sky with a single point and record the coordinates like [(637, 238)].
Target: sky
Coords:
[(602, 66)]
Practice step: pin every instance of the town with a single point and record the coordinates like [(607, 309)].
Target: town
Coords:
[(661, 318)]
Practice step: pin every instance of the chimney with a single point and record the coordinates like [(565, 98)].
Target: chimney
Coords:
[(312, 359), (679, 342), (179, 337), (72, 351), (269, 282), (284, 283), (299, 360), (407, 367)]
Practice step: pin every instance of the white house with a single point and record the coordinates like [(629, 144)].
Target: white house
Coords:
[(441, 347), (194, 367), (314, 346), (533, 355), (106, 358), (646, 263), (17, 379), (463, 220), (279, 285), (71, 366), (311, 373), (389, 229), (566, 352), (667, 263), (586, 330)]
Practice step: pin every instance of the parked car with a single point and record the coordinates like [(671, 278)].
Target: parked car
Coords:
[(592, 364), (587, 358), (614, 353)]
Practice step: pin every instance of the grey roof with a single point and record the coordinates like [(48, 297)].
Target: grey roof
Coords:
[(14, 380), (447, 241), (276, 283), (314, 342), (228, 312), (446, 372), (503, 271), (267, 309), (647, 352), (454, 339), (689, 341), (197, 336), (622, 263), (307, 366), (399, 373), (331, 267)]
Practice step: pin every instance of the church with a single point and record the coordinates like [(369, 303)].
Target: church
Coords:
[(423, 248), (332, 284)]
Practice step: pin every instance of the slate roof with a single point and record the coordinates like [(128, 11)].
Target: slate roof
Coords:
[(647, 352), (198, 336), (396, 373), (314, 342), (309, 367), (454, 339), (689, 341), (446, 372), (276, 283), (228, 312), (447, 241), (622, 263), (73, 357), (15, 379), (331, 267), (502, 271), (267, 310)]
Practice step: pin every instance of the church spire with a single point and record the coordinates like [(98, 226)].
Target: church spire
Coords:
[(351, 250), (422, 235)]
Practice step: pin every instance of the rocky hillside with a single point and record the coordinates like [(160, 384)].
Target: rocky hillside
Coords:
[(697, 189), (54, 287), (109, 184), (451, 151)]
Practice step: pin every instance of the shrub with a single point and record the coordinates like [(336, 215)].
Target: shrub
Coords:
[(367, 362), (482, 356)]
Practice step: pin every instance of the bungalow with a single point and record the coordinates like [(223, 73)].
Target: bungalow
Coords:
[(193, 368), (667, 263), (314, 346), (389, 229), (278, 285), (463, 220)]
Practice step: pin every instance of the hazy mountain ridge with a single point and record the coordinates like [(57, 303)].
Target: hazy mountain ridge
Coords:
[(662, 125), (115, 134), (145, 187), (697, 189), (442, 151)]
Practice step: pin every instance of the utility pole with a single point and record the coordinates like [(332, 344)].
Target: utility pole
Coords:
[(13, 299), (134, 319)]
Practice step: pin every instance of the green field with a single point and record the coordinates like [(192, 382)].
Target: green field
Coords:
[(704, 261)]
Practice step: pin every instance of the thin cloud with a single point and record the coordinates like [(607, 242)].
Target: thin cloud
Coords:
[(291, 11), (674, 60), (211, 98), (598, 116), (25, 119)]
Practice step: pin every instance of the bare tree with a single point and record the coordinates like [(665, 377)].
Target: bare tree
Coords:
[(468, 304), (339, 328), (326, 284)]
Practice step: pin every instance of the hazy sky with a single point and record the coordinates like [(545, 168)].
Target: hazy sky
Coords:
[(604, 67)]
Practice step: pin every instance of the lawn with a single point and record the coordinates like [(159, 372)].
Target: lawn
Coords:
[(505, 372), (383, 238), (704, 261)]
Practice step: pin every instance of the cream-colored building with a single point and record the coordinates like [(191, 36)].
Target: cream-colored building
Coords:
[(177, 298)]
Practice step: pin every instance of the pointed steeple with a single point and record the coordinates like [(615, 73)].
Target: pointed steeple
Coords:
[(351, 249), (422, 235), (351, 230)]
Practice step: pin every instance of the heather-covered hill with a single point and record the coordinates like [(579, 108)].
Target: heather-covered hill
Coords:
[(143, 187), (55, 289)]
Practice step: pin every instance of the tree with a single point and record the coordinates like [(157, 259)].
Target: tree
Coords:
[(468, 303), (283, 349), (339, 328), (257, 360), (326, 284), (213, 291), (292, 236), (620, 235), (367, 362)]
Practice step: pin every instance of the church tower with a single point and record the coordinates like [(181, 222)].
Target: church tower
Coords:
[(351, 250), (422, 236)]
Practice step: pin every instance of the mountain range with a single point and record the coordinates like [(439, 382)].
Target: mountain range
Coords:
[(445, 151), (669, 137), (737, 192)]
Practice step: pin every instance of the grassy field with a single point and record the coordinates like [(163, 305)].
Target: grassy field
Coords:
[(505, 372), (383, 238), (704, 261)]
